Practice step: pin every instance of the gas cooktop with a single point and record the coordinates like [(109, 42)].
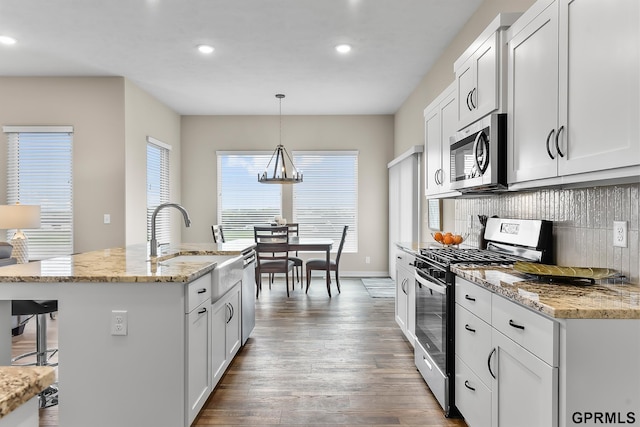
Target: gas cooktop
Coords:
[(454, 255)]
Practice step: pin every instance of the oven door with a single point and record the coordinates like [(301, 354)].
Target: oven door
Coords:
[(431, 318)]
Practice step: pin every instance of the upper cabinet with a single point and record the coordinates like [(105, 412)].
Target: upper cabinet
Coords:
[(480, 73), (440, 123), (574, 93)]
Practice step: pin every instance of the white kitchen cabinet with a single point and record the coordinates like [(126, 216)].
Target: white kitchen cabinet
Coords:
[(404, 202), (440, 123), (481, 73), (405, 309), (199, 379), (225, 331), (574, 93), (506, 361)]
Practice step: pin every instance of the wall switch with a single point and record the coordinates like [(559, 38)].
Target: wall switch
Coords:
[(119, 324), (620, 234), (107, 218), (367, 260)]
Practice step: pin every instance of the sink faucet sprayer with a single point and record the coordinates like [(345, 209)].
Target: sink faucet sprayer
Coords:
[(154, 242)]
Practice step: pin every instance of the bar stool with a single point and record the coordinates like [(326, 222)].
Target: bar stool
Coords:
[(39, 309)]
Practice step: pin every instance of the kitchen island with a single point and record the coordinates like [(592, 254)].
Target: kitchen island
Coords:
[(533, 352), (139, 373)]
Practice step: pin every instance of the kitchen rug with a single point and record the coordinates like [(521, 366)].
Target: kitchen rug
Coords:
[(380, 287)]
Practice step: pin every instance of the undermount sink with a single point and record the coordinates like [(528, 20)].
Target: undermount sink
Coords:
[(194, 258)]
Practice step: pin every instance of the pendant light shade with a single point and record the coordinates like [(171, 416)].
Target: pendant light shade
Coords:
[(280, 169)]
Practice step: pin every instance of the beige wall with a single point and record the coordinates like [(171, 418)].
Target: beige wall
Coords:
[(372, 136), (94, 107), (146, 116), (409, 120)]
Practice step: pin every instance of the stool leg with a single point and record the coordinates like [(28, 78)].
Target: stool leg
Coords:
[(41, 339)]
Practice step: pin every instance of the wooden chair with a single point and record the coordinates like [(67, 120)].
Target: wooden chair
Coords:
[(321, 264), (218, 235), (272, 253), (294, 231)]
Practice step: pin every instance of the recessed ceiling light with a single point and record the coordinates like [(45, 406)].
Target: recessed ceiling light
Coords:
[(7, 40), (343, 48), (203, 48)]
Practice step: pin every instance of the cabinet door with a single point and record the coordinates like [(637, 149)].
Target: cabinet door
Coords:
[(600, 88), (525, 389), (533, 99), (441, 121), (449, 126), (198, 348), (219, 316), (402, 298), (433, 153), (466, 85), (234, 322), (485, 96)]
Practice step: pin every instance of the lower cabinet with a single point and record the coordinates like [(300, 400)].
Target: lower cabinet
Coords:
[(225, 331), (199, 378), (506, 362), (405, 304)]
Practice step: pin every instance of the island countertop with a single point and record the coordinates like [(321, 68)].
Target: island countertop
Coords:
[(606, 299), (127, 264), (18, 384)]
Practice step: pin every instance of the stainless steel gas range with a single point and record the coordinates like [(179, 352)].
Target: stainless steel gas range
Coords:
[(509, 240)]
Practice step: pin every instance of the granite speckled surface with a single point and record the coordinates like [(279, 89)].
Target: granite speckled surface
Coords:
[(129, 264), (606, 299), (18, 384)]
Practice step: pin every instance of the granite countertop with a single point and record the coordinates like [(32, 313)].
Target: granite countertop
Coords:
[(607, 299), (128, 264), (18, 384)]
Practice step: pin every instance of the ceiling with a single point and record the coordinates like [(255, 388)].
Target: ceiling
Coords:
[(262, 47)]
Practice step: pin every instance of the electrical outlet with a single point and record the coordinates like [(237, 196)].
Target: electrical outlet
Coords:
[(367, 260), (620, 234), (119, 324), (107, 219)]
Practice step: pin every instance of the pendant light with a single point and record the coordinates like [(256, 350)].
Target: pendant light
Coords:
[(284, 171)]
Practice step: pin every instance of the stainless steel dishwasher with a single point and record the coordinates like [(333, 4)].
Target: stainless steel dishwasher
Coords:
[(248, 292)]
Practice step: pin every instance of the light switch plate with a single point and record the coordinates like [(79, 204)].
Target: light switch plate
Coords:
[(620, 234)]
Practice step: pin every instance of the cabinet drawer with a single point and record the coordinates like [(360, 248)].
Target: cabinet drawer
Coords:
[(198, 292), (533, 331), (473, 398), (474, 298), (473, 342), (404, 260)]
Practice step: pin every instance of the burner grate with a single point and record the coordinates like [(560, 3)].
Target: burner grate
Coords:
[(448, 256)]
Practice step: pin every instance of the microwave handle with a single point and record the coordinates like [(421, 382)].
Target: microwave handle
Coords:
[(481, 167)]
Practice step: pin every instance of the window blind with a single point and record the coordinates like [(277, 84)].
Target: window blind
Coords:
[(158, 174), (242, 201), (327, 200), (39, 172)]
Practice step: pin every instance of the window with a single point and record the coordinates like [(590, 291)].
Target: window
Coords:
[(327, 200), (39, 172), (242, 200), (158, 188)]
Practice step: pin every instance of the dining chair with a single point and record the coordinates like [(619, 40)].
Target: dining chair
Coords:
[(218, 234), (321, 264), (272, 253), (293, 230)]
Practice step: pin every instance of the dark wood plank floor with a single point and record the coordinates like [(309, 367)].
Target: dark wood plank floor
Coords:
[(314, 361)]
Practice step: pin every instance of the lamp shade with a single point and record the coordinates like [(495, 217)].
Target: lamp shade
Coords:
[(19, 216)]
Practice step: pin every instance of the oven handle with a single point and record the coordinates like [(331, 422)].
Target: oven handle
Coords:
[(429, 284)]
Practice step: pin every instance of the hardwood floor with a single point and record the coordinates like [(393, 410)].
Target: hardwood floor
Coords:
[(315, 361)]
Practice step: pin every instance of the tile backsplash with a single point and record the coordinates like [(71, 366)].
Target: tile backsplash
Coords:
[(582, 222)]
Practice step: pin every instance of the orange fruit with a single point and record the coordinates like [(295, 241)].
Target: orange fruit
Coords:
[(457, 239), (438, 237), (448, 239)]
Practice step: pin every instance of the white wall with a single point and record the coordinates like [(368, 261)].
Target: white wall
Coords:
[(372, 136)]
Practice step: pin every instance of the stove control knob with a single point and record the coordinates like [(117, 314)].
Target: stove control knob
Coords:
[(438, 274)]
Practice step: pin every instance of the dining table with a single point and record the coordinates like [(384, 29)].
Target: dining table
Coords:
[(308, 244)]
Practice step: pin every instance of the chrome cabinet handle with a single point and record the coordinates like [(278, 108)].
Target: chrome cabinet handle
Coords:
[(468, 105), (228, 307), (549, 139), (515, 325), (469, 329), (474, 90), (489, 363), (466, 384), (202, 291), (402, 286), (466, 296), (557, 143)]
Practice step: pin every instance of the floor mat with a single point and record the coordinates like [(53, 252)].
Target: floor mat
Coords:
[(380, 287)]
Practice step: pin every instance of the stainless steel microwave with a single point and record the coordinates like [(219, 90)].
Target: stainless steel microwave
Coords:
[(479, 155)]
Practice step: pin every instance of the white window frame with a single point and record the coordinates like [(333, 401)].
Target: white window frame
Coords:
[(245, 182), (44, 155), (329, 183), (158, 187)]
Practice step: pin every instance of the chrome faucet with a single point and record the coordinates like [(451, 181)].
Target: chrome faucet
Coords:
[(154, 242)]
